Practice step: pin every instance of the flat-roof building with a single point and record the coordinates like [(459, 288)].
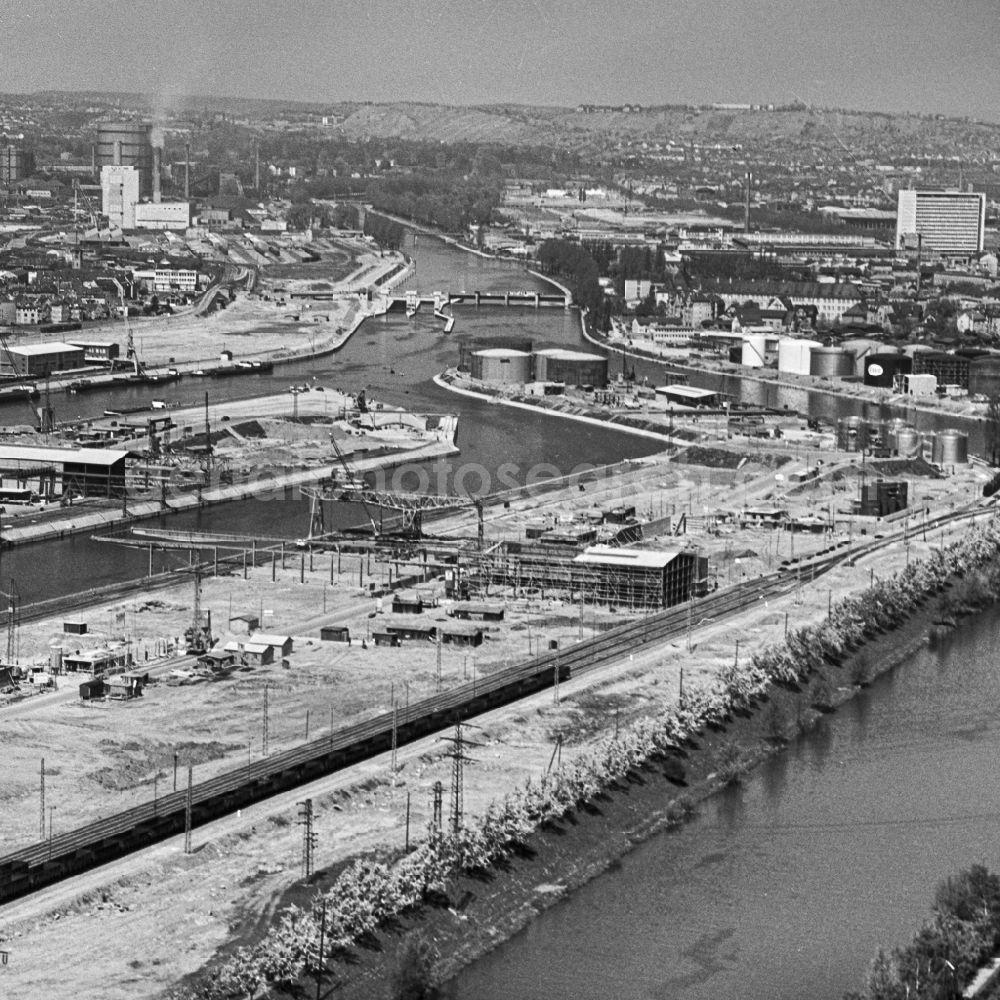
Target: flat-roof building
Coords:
[(39, 360), (948, 222), (96, 472)]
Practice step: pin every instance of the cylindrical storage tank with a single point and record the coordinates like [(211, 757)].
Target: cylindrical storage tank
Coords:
[(882, 369), (754, 351), (793, 355), (55, 659), (831, 362), (556, 364), (951, 447), (909, 443), (861, 348), (852, 434), (501, 366), (984, 376), (910, 349)]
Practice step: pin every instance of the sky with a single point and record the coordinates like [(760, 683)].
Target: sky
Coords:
[(928, 56)]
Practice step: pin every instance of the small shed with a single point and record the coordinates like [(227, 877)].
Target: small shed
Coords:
[(335, 633), (217, 659), (125, 687), (75, 628), (282, 643), (94, 688), (462, 634), (477, 611), (258, 654), (250, 652), (407, 602), (411, 628), (382, 638), (7, 681), (244, 624)]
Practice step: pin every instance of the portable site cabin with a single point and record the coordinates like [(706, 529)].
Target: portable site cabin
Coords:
[(407, 602), (251, 652), (478, 611), (335, 633), (125, 687), (459, 633), (282, 644)]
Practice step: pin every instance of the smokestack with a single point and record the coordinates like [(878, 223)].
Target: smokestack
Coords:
[(93, 157), (746, 203), (156, 174), (117, 161), (256, 175), (187, 171)]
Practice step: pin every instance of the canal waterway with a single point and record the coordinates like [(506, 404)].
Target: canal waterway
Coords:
[(395, 360), (783, 887)]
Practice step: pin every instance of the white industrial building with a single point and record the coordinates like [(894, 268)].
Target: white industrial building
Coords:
[(120, 195), (175, 215)]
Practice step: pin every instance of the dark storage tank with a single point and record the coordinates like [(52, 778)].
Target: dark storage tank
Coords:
[(984, 376), (882, 369)]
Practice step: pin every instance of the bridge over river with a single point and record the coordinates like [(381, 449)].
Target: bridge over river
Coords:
[(412, 300)]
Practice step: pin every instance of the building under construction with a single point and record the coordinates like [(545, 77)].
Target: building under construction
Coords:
[(621, 577)]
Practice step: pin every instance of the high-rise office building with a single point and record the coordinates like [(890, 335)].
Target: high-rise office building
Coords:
[(948, 222)]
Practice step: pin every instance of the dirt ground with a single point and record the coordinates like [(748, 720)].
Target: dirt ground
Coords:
[(169, 912)]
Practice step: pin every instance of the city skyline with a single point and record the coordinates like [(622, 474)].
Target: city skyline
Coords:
[(565, 52)]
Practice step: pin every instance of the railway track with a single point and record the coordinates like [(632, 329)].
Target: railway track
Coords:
[(66, 854)]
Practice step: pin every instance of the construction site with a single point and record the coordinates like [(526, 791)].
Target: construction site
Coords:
[(262, 662)]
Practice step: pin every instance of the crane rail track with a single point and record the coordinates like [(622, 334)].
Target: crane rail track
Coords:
[(103, 840)]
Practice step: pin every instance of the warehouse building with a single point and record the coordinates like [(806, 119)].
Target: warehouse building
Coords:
[(49, 472), (39, 360)]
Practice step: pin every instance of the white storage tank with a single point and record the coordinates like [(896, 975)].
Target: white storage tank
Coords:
[(951, 447), (794, 355), (754, 350)]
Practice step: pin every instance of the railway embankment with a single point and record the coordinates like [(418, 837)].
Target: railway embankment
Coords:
[(709, 738)]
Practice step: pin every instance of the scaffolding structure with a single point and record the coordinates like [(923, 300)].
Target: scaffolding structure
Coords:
[(632, 578)]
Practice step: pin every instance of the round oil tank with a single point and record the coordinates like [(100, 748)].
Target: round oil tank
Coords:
[(984, 376), (882, 369), (852, 434), (501, 366), (556, 364), (754, 351), (793, 355), (909, 443), (951, 447), (831, 362), (55, 659), (861, 348)]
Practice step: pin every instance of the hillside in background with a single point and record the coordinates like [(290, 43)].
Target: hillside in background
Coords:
[(863, 133)]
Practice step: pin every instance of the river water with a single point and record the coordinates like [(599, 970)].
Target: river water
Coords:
[(783, 888), (395, 359)]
